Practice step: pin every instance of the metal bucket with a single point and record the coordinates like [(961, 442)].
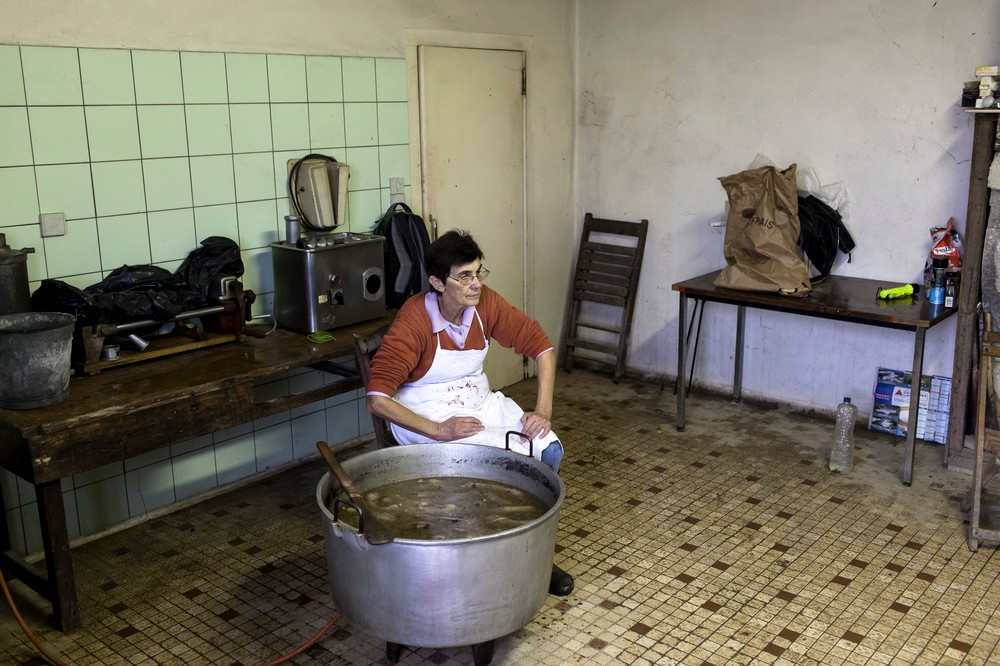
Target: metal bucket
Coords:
[(35, 358), (446, 593)]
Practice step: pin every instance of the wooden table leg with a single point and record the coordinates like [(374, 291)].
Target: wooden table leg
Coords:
[(55, 540), (911, 427), (4, 527)]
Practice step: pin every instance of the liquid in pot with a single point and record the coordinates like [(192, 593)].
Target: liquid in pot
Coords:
[(450, 507)]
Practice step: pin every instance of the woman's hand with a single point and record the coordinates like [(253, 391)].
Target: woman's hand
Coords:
[(458, 427), (536, 424)]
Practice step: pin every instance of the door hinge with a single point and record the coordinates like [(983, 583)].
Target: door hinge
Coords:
[(524, 80)]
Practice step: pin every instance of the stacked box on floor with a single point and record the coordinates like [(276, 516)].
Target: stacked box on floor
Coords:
[(937, 410), (891, 405)]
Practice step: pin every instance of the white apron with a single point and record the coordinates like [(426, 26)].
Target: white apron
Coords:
[(455, 385)]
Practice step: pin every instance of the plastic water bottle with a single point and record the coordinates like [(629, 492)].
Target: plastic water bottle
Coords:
[(842, 454)]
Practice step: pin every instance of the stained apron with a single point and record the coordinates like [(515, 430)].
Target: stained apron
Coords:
[(455, 385)]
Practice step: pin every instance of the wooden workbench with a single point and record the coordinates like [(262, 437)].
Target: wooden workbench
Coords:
[(837, 297), (132, 410)]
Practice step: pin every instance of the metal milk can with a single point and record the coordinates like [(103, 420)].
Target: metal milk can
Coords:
[(14, 293)]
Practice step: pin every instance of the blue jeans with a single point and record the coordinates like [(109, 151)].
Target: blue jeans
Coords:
[(553, 455)]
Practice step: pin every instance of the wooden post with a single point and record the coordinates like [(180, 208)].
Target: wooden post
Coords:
[(983, 148)]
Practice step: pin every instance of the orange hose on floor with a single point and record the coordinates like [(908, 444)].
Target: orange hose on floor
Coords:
[(26, 629), (309, 643), (55, 661)]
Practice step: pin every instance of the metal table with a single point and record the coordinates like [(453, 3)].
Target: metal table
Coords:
[(837, 297)]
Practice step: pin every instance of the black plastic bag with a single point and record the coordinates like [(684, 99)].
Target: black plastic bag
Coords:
[(217, 257), (98, 305), (822, 234), (143, 277), (58, 296), (136, 293)]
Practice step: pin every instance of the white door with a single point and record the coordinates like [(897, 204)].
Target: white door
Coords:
[(472, 154)]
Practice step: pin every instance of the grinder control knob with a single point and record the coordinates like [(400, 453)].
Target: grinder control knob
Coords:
[(336, 293)]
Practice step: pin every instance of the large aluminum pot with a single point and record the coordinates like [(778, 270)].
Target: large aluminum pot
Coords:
[(445, 593)]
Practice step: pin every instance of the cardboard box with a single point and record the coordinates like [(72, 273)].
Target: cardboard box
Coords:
[(891, 405)]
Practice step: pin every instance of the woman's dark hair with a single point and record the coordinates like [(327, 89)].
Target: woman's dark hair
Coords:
[(453, 248)]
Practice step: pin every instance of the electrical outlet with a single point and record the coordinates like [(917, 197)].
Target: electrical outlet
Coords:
[(395, 186), (53, 224)]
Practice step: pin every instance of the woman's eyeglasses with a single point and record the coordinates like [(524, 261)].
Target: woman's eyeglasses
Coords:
[(465, 279)]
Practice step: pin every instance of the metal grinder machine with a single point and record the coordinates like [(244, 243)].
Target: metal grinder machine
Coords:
[(328, 281)]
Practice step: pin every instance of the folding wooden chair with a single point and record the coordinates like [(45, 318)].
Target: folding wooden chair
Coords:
[(607, 274)]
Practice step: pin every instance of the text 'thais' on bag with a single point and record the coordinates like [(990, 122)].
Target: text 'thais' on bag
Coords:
[(762, 233)]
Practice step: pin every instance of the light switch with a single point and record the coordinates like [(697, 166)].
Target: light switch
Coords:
[(395, 186), (53, 224)]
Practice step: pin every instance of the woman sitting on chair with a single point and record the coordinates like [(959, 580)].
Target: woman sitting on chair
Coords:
[(427, 377)]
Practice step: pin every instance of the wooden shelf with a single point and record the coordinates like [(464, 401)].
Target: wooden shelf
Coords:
[(158, 347)]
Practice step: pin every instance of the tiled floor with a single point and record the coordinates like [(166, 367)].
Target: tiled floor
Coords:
[(729, 543)]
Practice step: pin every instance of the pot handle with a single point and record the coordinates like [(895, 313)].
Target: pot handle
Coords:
[(361, 514), (531, 445)]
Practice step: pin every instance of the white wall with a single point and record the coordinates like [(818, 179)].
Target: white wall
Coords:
[(673, 94)]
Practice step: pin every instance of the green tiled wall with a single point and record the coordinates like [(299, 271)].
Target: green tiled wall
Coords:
[(149, 152)]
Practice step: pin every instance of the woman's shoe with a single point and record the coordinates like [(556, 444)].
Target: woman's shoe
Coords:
[(561, 583)]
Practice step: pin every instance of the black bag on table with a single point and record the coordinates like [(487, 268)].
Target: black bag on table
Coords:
[(822, 235), (406, 243)]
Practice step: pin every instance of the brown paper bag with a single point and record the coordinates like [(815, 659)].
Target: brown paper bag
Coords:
[(762, 233)]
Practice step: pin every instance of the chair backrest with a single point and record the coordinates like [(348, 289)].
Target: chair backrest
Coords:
[(365, 347)]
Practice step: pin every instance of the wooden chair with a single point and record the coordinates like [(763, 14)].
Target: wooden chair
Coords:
[(607, 277), (365, 347)]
